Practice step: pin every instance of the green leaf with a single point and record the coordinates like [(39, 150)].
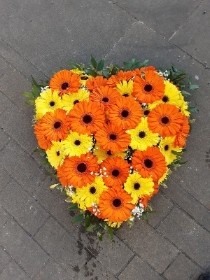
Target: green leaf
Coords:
[(193, 87), (186, 93), (100, 65), (79, 218), (94, 62)]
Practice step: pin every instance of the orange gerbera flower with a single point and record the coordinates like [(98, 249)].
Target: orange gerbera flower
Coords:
[(126, 113), (115, 171), (54, 126), (43, 142), (165, 119), (65, 81), (105, 95), (95, 82), (78, 171), (150, 163), (148, 87), (181, 136), (115, 205), (87, 117), (119, 77), (142, 70), (112, 138)]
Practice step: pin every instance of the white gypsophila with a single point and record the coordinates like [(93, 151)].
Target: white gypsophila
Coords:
[(96, 210), (138, 211), (44, 88)]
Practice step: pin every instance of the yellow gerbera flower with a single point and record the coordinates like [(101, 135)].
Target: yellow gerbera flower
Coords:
[(55, 154), (102, 154), (167, 147), (125, 87), (90, 194), (48, 101), (69, 100), (138, 186), (77, 71), (142, 137), (172, 95), (77, 144), (164, 177), (114, 224)]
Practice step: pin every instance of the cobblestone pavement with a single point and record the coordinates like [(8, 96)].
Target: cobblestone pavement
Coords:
[(37, 237)]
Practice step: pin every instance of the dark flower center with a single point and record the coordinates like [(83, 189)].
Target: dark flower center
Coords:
[(124, 113), (84, 78), (115, 173), (87, 119), (165, 120), (57, 125), (166, 147), (81, 167), (64, 86), (142, 134), (146, 112), (165, 98), (52, 103), (92, 190), (77, 142), (126, 94), (58, 153), (105, 99), (116, 202), (148, 163), (148, 87), (136, 186), (75, 102), (109, 153), (112, 136)]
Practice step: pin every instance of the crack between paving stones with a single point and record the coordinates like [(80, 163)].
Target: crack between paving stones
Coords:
[(159, 34), (50, 215), (124, 266), (138, 255), (183, 210), (186, 21), (14, 260), (23, 58)]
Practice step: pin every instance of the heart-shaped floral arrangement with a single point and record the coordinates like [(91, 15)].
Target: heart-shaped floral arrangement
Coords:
[(112, 135)]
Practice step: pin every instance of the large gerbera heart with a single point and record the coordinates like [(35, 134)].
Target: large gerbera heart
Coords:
[(112, 138)]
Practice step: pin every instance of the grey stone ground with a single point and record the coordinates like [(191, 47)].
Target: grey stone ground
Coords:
[(37, 238)]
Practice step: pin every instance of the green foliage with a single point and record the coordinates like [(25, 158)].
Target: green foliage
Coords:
[(34, 93)]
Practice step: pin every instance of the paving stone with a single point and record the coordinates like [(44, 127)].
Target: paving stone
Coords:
[(188, 236), (107, 252), (61, 245), (27, 253), (138, 269), (21, 167), (13, 84), (197, 29), (13, 272), (94, 270), (161, 207), (182, 268), (104, 24), (3, 66), (3, 217), (4, 139), (4, 178), (5, 103), (4, 259), (19, 126), (163, 16), (54, 202), (147, 243), (29, 214), (186, 201), (53, 271)]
